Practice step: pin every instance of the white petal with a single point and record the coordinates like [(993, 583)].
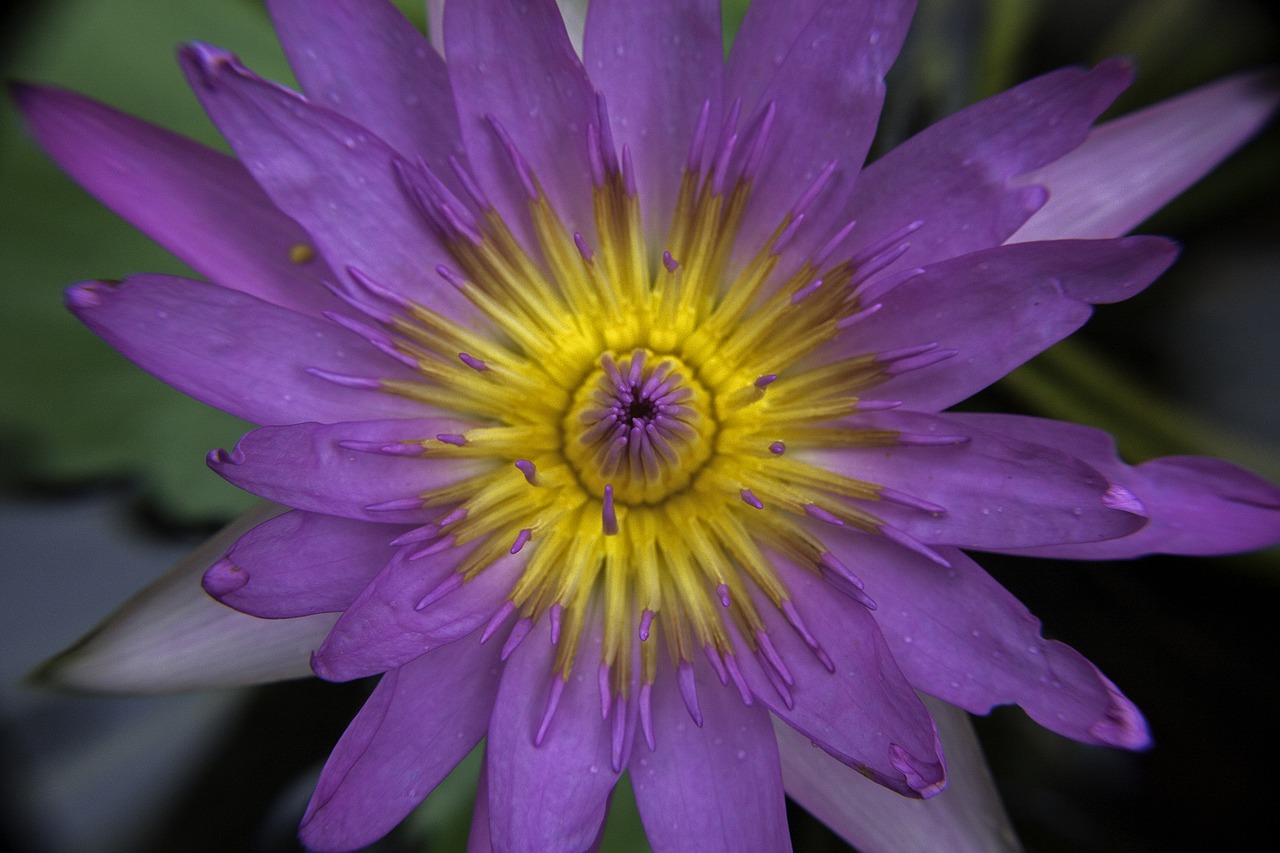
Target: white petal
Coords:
[(172, 636), (1129, 168), (966, 817)]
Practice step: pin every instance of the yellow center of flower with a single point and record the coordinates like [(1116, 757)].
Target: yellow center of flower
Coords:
[(644, 422)]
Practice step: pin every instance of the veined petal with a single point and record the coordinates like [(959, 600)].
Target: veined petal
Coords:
[(384, 627), (306, 466), (420, 721), (966, 817), (513, 63), (196, 202), (960, 636), (997, 308), (714, 787), (1197, 505), (865, 713), (364, 59), (838, 62), (237, 353), (656, 63), (328, 173), (954, 176), (1129, 168), (172, 636), (301, 563), (994, 489), (548, 793)]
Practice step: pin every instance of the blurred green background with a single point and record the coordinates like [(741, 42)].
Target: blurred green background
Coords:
[(95, 455)]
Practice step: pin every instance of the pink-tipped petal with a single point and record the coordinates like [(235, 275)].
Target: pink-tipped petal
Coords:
[(1129, 168), (715, 787), (172, 636), (420, 721), (966, 817)]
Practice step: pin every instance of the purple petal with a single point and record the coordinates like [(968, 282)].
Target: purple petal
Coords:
[(299, 564), (865, 713), (954, 176), (328, 173), (1129, 168), (965, 818), (828, 88), (960, 636), (514, 63), (1197, 505), (172, 636), (711, 788), (997, 308), (420, 721), (197, 203), (306, 467), (549, 796), (365, 60), (238, 353), (383, 628), (478, 840), (996, 490), (656, 63)]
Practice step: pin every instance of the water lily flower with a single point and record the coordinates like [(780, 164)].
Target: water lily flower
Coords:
[(602, 406)]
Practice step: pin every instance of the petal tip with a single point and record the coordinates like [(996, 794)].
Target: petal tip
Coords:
[(1122, 725), (223, 578)]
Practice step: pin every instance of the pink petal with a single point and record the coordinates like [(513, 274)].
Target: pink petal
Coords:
[(306, 466), (1129, 168), (237, 353), (550, 796), (960, 636), (711, 788), (654, 105), (996, 490), (966, 817), (365, 60), (299, 564), (197, 203), (1197, 505), (420, 721), (383, 628), (171, 636)]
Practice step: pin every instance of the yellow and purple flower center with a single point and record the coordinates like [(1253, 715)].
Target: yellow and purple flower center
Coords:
[(644, 427)]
